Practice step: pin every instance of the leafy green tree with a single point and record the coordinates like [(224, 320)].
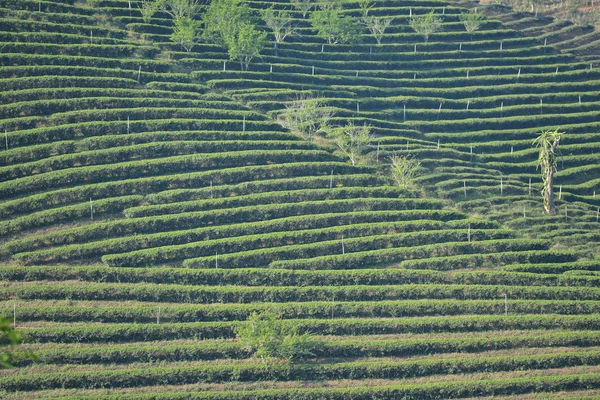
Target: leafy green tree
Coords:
[(245, 44), (148, 8), (180, 8), (186, 32), (426, 24), (376, 25), (404, 169), (268, 338), (309, 117), (547, 143), (303, 6), (332, 26), (223, 18), (472, 20), (230, 24), (10, 337), (280, 22), (352, 140)]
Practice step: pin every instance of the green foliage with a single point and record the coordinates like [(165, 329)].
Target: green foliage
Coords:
[(245, 44), (309, 117), (426, 24), (376, 25), (280, 22), (179, 8), (266, 337), (352, 140), (472, 20), (10, 337), (331, 25), (548, 157), (186, 32), (404, 170), (230, 24), (303, 6), (148, 8)]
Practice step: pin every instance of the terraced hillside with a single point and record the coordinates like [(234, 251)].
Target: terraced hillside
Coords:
[(151, 202)]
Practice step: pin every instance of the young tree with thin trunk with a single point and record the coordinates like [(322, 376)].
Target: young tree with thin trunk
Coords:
[(148, 8), (180, 8), (186, 32), (352, 140), (280, 22), (547, 143), (303, 6), (332, 26), (376, 25), (245, 44), (472, 20), (308, 116), (404, 169), (426, 24)]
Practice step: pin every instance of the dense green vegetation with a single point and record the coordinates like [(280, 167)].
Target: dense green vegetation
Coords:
[(291, 200)]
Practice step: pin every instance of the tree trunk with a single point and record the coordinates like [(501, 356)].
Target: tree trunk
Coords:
[(549, 200)]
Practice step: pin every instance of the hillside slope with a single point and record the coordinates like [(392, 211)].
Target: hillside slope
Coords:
[(151, 203)]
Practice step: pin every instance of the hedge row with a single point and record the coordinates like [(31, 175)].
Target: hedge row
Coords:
[(161, 166), (115, 155), (156, 184), (427, 391), (101, 207), (234, 294), (260, 250), (279, 196), (342, 348), (222, 238), (366, 259), (103, 333), (245, 373), (350, 305)]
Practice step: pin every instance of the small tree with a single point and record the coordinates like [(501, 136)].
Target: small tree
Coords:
[(245, 44), (10, 337), (548, 157), (308, 117), (222, 20), (280, 22), (472, 20), (186, 32), (303, 6), (426, 24), (376, 25), (148, 8), (180, 8), (267, 337), (332, 26), (352, 140), (404, 169)]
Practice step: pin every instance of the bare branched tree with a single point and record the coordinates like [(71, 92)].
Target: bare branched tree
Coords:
[(404, 169), (308, 116)]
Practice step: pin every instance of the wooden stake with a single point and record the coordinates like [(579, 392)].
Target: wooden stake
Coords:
[(541, 106), (597, 214), (332, 305), (505, 304), (403, 116), (216, 259), (465, 188), (271, 69), (468, 102), (313, 70), (244, 124), (566, 211), (415, 48), (500, 46), (331, 180), (322, 48), (91, 37), (224, 66), (519, 73), (91, 210), (501, 187), (15, 316), (357, 109), (158, 316), (512, 149), (128, 125), (524, 212), (6, 138), (211, 190), (440, 109), (545, 42), (556, 73), (140, 74), (378, 143), (438, 147), (460, 47), (343, 248), (469, 233), (467, 74), (560, 192)]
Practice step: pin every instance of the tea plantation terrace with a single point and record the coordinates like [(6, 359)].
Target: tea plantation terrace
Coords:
[(151, 202)]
